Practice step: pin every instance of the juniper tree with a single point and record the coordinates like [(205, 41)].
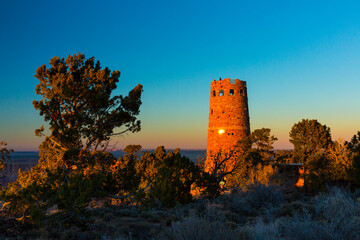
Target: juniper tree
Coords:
[(77, 103), (309, 137), (311, 141), (255, 153), (354, 144)]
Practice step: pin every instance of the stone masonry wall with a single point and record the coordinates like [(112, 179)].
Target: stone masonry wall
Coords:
[(228, 115)]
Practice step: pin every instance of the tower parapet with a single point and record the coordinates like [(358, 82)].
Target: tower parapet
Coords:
[(229, 118)]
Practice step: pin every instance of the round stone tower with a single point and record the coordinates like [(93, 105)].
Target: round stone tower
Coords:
[(228, 116)]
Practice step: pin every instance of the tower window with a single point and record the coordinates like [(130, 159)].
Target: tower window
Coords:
[(221, 93), (211, 111), (241, 91), (214, 93), (231, 92), (223, 112)]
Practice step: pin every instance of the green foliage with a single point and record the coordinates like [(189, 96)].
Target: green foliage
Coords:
[(4, 154), (354, 147), (309, 137), (125, 178), (77, 103), (326, 162), (240, 177), (257, 147), (174, 176), (257, 153), (354, 144), (283, 156), (336, 165), (196, 227), (252, 170), (254, 198), (316, 166), (38, 190), (132, 149), (263, 141), (82, 113), (341, 167), (157, 177)]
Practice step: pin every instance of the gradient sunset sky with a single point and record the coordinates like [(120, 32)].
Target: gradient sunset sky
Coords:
[(301, 59)]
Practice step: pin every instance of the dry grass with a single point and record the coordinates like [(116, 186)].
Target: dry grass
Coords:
[(259, 212)]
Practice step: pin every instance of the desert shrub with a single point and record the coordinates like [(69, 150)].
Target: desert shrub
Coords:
[(296, 208), (336, 165), (234, 217), (304, 227), (75, 234), (331, 215), (100, 212), (170, 175), (241, 206), (150, 215), (339, 209), (4, 155), (335, 217), (256, 152), (121, 237), (258, 201), (356, 169), (262, 174), (307, 228), (108, 216), (130, 212), (336, 201), (340, 162), (198, 228), (262, 196), (211, 225), (38, 190), (316, 166), (250, 174), (260, 231), (125, 177)]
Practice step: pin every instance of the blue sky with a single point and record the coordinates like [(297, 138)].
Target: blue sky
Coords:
[(300, 60)]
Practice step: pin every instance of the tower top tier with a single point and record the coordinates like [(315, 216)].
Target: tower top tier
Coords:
[(228, 81)]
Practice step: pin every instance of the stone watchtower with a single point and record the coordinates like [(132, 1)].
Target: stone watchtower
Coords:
[(228, 116)]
